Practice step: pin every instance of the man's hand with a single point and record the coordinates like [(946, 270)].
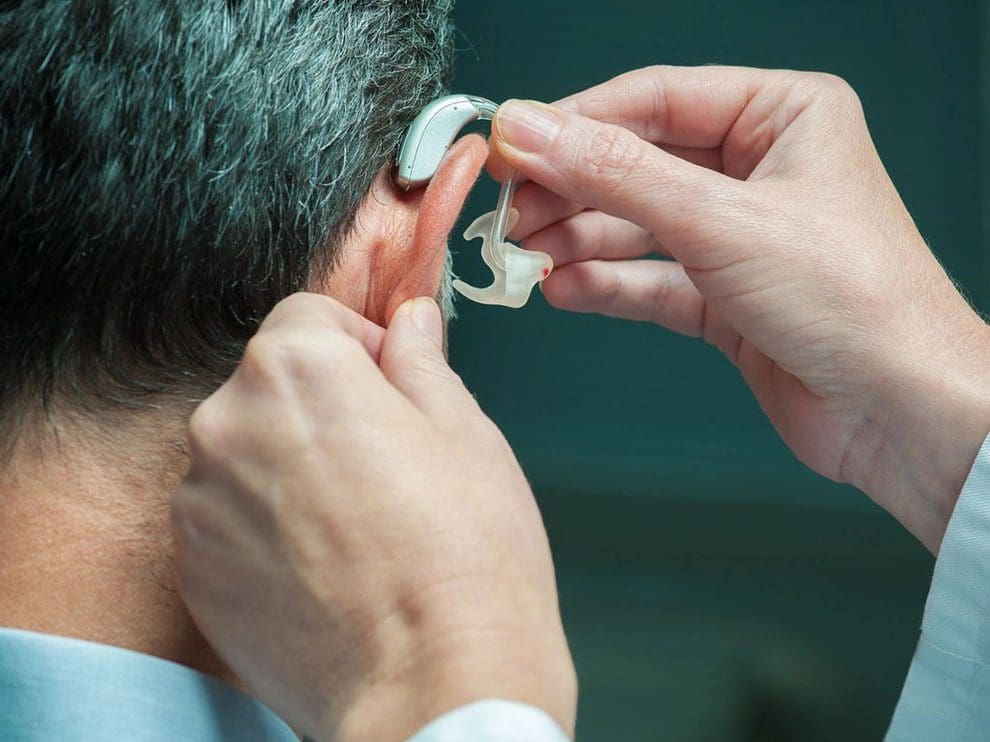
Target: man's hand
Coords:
[(355, 537), (792, 253)]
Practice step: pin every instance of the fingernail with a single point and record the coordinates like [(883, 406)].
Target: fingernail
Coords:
[(527, 125), (426, 317)]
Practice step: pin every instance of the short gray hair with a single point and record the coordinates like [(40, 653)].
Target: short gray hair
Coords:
[(171, 170)]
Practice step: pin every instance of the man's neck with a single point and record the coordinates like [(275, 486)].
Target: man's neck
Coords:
[(85, 546)]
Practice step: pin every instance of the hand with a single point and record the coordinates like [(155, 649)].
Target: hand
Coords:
[(355, 537), (792, 253)]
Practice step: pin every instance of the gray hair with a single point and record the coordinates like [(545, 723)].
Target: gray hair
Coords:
[(171, 170)]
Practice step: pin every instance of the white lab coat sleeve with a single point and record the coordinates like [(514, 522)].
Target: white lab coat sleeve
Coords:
[(492, 720), (947, 692)]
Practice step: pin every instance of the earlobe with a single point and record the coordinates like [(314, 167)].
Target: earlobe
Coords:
[(419, 270)]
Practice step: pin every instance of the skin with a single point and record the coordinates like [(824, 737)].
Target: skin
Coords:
[(360, 599)]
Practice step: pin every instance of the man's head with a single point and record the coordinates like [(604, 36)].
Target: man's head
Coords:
[(170, 171)]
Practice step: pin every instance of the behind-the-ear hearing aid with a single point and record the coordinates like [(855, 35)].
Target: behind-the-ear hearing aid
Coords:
[(427, 140), (432, 132)]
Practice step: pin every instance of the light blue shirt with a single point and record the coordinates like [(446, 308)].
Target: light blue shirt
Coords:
[(57, 688), (54, 688)]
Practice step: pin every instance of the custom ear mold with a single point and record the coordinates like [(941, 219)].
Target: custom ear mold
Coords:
[(516, 271)]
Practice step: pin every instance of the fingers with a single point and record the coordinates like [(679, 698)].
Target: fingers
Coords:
[(685, 106), (412, 359), (307, 342), (312, 340), (609, 168), (306, 312), (592, 235), (311, 360), (537, 208), (647, 290), (707, 157)]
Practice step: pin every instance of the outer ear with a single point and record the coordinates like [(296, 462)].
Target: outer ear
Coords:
[(409, 260)]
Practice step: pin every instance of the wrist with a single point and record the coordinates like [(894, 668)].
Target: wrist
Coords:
[(428, 672), (922, 433)]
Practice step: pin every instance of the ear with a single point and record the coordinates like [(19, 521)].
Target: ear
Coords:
[(398, 246)]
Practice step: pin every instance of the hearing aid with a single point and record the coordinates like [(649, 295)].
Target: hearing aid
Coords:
[(515, 271)]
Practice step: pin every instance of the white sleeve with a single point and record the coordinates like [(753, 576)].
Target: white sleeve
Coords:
[(492, 720), (947, 691)]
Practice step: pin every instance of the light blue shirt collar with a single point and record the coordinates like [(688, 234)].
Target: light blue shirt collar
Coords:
[(52, 687)]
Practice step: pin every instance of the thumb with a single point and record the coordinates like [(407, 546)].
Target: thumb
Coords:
[(607, 167), (413, 360)]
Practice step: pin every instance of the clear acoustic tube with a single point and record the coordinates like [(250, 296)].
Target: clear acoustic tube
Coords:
[(486, 112), (501, 219)]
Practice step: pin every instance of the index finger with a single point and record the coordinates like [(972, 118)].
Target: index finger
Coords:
[(609, 168), (685, 106), (691, 107)]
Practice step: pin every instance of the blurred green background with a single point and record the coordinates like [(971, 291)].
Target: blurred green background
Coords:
[(712, 588)]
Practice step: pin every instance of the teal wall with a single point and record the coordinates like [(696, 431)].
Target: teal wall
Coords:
[(712, 588)]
